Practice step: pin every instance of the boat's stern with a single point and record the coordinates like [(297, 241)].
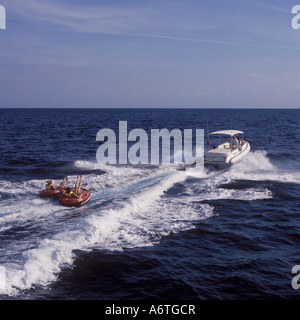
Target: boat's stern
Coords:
[(217, 158)]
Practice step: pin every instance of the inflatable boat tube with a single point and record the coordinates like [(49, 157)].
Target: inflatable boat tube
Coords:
[(51, 193), (85, 197)]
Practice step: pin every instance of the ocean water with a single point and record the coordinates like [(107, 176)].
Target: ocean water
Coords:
[(149, 231)]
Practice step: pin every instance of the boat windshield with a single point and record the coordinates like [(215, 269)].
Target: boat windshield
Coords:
[(223, 141)]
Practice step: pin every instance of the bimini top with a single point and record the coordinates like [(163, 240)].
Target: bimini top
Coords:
[(227, 132)]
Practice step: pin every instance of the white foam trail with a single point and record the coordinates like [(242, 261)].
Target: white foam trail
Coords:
[(25, 204), (139, 213), (231, 194), (257, 166), (133, 223), (256, 160)]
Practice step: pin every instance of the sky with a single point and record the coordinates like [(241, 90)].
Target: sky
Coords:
[(149, 54)]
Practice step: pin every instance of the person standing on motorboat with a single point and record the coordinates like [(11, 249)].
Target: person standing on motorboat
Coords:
[(241, 142), (235, 143)]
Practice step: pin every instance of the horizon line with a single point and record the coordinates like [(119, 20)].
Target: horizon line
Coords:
[(91, 108)]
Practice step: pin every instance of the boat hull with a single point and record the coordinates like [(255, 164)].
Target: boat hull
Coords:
[(223, 160)]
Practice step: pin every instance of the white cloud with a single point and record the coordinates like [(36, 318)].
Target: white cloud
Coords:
[(139, 21), (80, 18), (112, 19), (273, 8)]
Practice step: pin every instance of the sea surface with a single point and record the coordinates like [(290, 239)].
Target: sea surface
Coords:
[(149, 231)]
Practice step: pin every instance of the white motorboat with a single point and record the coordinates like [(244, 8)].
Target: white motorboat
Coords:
[(223, 154)]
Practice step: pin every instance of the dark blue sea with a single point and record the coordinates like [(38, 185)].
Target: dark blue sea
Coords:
[(149, 231)]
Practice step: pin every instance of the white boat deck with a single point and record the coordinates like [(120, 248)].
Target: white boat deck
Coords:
[(221, 151)]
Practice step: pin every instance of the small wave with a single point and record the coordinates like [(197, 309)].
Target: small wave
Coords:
[(231, 194)]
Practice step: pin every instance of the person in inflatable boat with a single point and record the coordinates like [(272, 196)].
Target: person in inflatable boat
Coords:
[(70, 194), (50, 186)]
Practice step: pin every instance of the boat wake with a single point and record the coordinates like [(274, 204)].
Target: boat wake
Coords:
[(130, 207), (257, 166)]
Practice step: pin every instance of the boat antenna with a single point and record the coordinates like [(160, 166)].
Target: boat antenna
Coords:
[(231, 133), (207, 126), (208, 142)]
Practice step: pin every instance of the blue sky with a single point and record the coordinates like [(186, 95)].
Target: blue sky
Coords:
[(137, 53)]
